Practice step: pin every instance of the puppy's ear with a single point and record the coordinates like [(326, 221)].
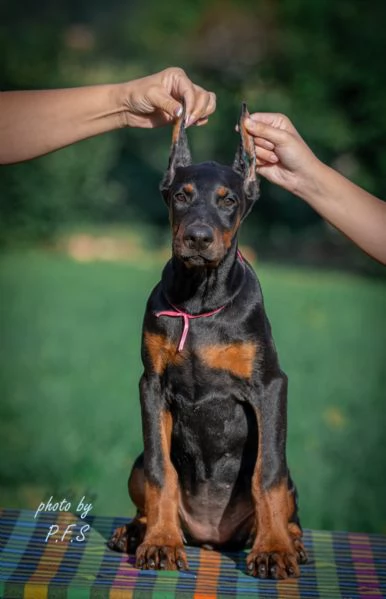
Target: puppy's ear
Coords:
[(179, 154), (245, 163)]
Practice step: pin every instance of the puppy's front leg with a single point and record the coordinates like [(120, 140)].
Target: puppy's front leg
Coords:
[(162, 547), (273, 553)]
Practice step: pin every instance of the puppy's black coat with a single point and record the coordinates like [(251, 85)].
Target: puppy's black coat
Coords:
[(213, 396)]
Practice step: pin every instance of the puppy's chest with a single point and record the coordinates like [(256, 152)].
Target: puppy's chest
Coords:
[(206, 351)]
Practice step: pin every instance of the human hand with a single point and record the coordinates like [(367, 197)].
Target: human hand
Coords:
[(156, 100), (282, 156)]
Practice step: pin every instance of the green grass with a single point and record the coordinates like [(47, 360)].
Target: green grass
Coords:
[(70, 365)]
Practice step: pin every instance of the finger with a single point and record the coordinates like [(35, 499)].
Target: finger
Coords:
[(201, 100), (264, 155), (275, 119), (199, 103), (263, 143), (183, 89), (199, 110), (204, 105), (211, 107), (262, 163), (208, 107), (200, 122), (262, 130), (159, 98)]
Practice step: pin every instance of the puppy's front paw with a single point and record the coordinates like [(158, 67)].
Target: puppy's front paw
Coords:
[(151, 556), (264, 562)]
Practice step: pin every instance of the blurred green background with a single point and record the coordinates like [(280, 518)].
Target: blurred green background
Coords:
[(84, 235)]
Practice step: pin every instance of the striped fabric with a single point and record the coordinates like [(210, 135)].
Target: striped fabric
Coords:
[(80, 566)]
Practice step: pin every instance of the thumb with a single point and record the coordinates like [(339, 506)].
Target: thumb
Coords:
[(261, 129), (160, 99)]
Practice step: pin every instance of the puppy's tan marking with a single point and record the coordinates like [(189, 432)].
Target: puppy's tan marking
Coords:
[(222, 191), (228, 235), (162, 352), (237, 358), (188, 188)]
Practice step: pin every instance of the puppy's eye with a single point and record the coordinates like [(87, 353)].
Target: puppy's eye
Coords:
[(180, 198), (227, 202)]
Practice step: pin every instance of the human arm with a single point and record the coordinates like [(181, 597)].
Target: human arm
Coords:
[(33, 123), (285, 159)]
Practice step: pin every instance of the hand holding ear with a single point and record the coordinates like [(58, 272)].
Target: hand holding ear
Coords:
[(156, 100), (282, 156)]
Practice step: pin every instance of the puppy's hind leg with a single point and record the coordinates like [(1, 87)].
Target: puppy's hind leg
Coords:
[(294, 526), (127, 538)]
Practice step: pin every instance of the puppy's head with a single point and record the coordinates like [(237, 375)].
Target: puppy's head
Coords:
[(208, 201)]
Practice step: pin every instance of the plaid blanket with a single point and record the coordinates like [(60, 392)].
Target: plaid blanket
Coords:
[(78, 565)]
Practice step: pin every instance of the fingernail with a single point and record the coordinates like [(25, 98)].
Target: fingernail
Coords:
[(178, 111)]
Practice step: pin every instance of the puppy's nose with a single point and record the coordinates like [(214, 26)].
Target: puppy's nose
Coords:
[(198, 237)]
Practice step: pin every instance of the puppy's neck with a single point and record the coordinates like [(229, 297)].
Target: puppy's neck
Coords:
[(199, 289)]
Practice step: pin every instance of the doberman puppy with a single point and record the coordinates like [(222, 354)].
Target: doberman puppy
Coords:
[(213, 397)]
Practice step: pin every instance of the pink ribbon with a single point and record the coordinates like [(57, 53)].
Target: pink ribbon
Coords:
[(179, 313)]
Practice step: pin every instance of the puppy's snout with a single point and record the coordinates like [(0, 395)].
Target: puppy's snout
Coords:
[(198, 237)]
